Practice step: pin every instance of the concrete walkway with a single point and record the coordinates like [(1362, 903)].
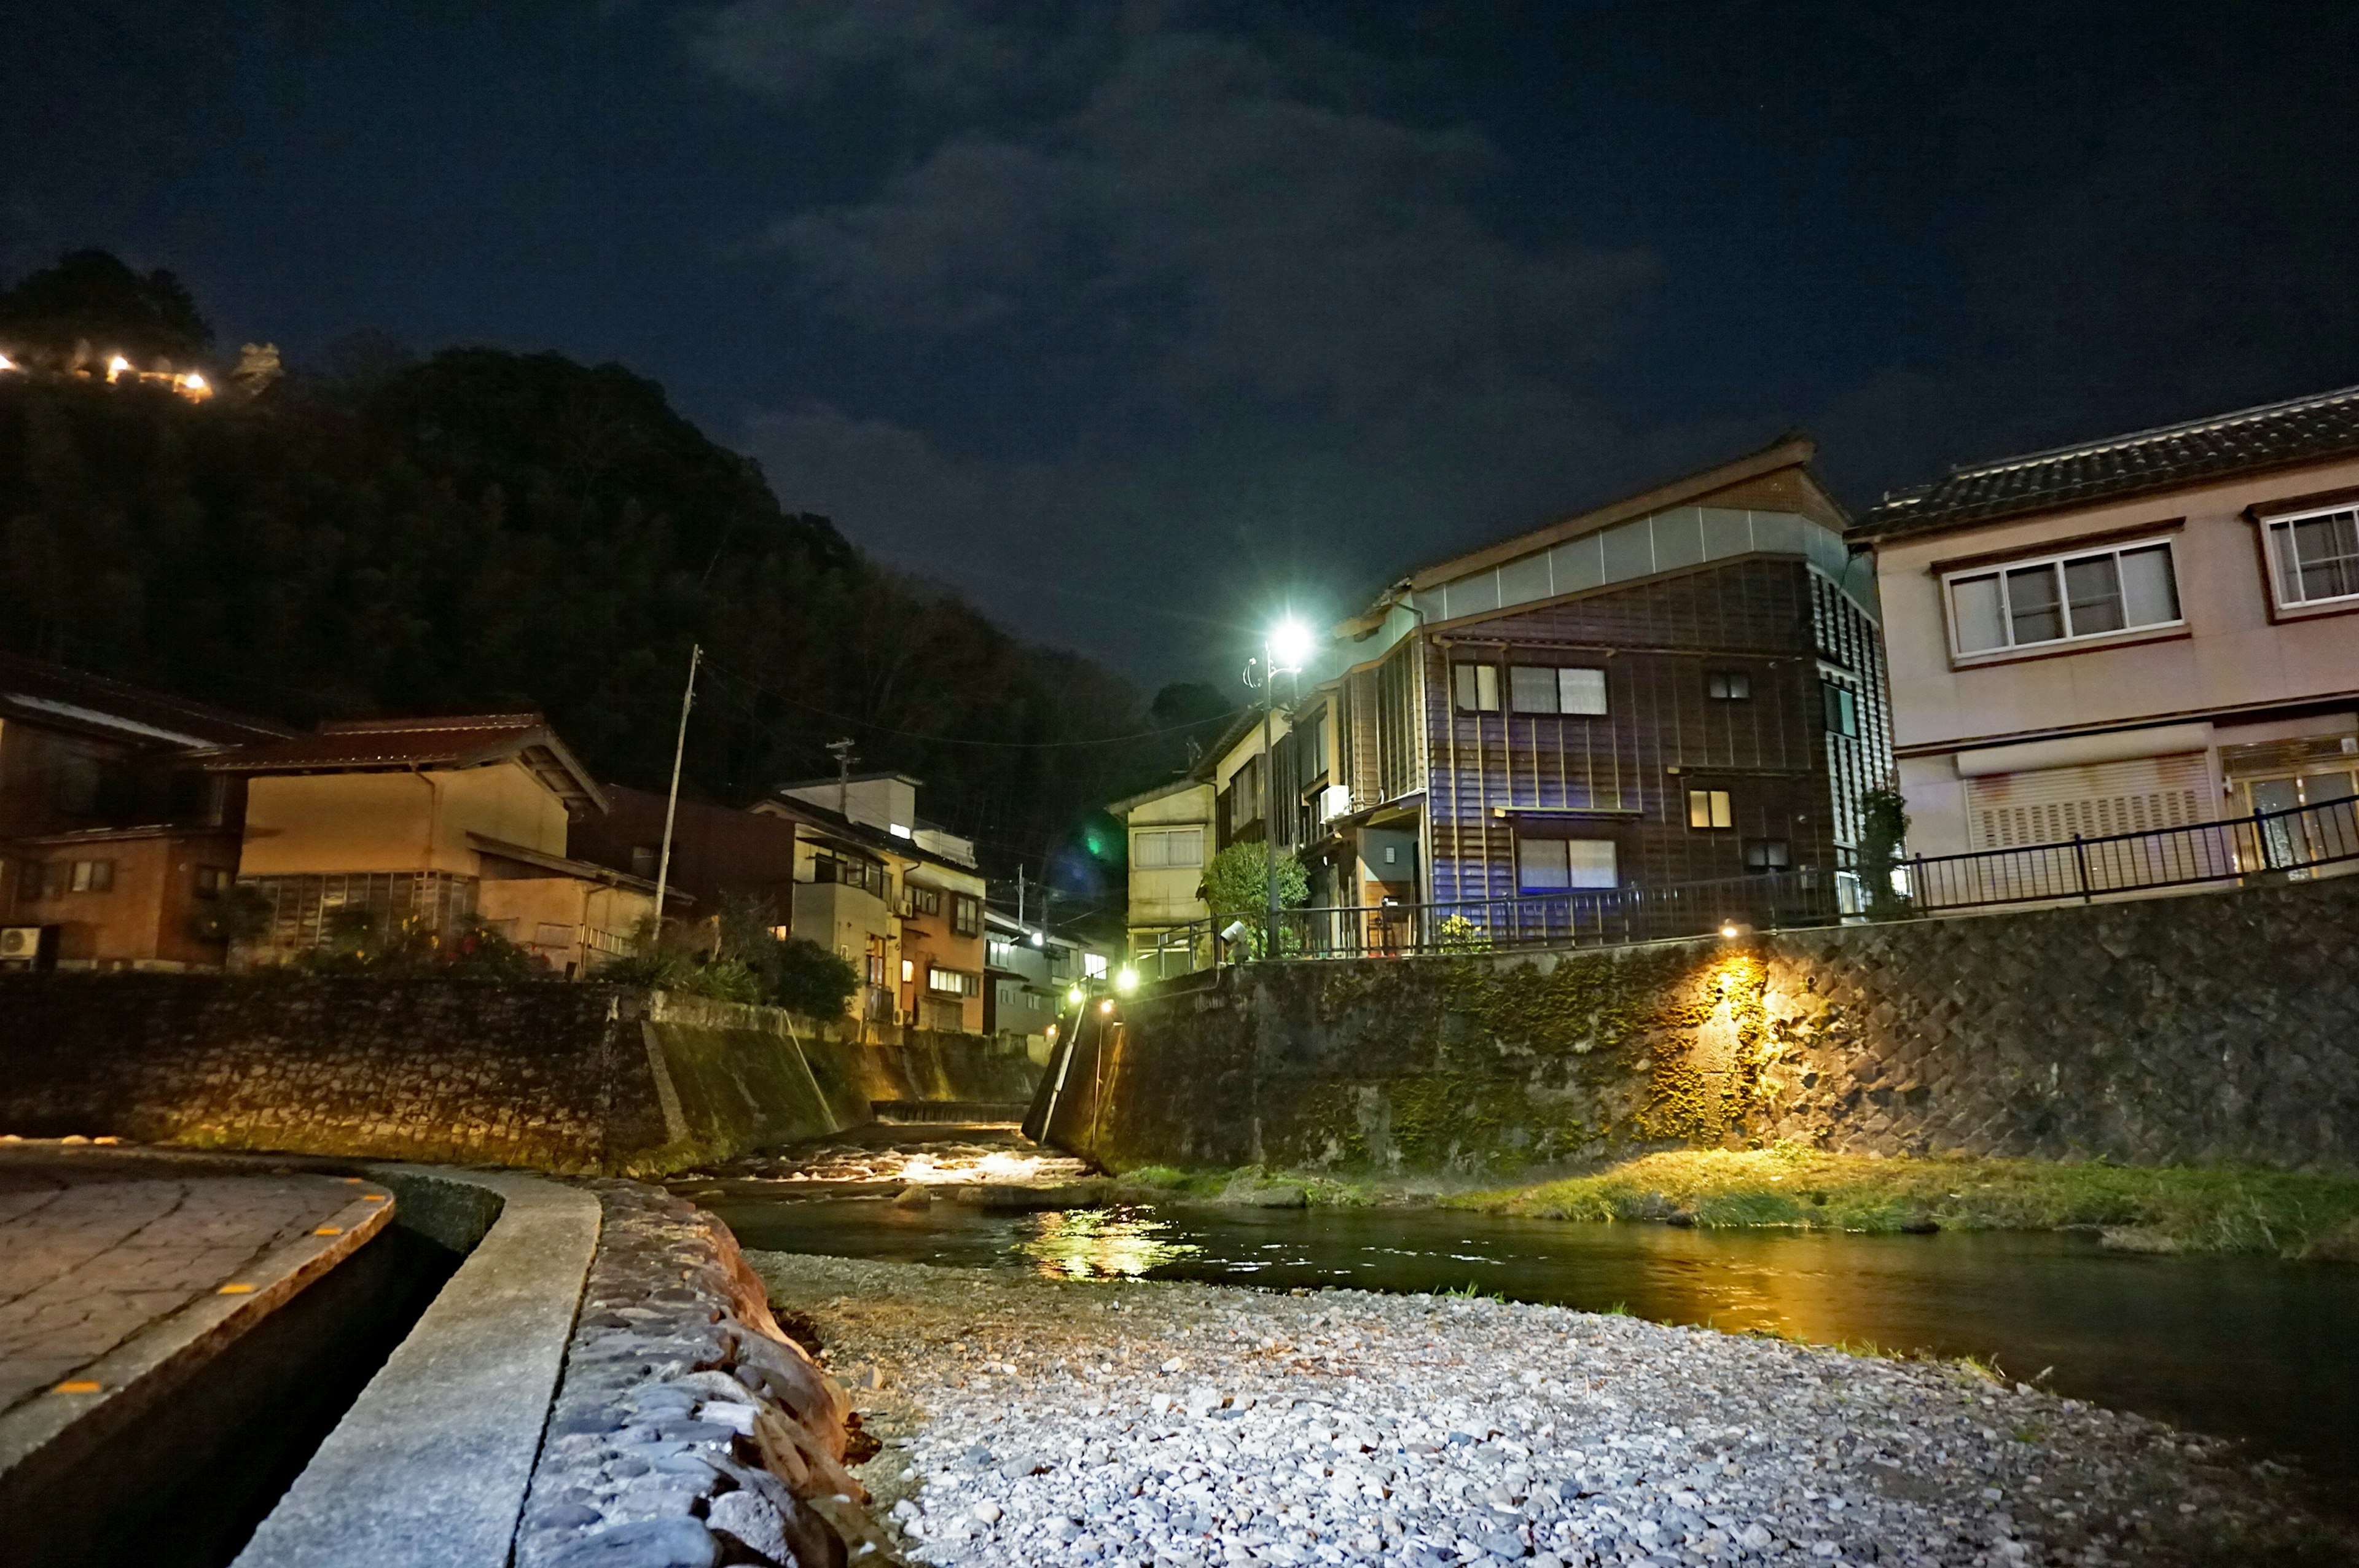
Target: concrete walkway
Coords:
[(97, 1249)]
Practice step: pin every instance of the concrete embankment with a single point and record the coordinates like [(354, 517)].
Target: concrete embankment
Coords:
[(568, 1078), (2204, 1029)]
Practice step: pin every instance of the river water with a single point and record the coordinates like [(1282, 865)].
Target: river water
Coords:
[(2240, 1346)]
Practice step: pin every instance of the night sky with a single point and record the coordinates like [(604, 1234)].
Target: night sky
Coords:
[(1134, 322)]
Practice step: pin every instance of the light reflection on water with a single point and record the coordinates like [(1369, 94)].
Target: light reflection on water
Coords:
[(2244, 1347), (1102, 1243)]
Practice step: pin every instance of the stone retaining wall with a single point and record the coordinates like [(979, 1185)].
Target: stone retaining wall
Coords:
[(2221, 1027), (569, 1078), (688, 1429)]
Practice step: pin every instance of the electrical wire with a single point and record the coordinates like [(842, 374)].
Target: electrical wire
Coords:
[(870, 724)]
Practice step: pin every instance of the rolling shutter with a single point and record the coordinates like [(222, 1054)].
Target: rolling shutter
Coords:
[(2049, 806)]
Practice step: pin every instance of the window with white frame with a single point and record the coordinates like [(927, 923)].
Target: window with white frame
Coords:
[(1561, 865), (2315, 556), (1160, 849), (1841, 707), (952, 982), (1540, 688), (2063, 598)]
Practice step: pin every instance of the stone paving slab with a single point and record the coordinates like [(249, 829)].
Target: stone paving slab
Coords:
[(97, 1249)]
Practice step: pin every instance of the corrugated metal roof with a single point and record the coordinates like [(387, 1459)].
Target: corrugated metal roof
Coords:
[(42, 693)]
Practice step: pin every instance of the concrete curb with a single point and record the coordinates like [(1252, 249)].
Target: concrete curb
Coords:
[(60, 1428), (429, 1467)]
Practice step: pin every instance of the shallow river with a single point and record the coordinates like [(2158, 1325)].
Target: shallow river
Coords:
[(2241, 1346)]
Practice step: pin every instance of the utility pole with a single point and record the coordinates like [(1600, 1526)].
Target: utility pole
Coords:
[(1270, 803), (671, 802), (842, 751)]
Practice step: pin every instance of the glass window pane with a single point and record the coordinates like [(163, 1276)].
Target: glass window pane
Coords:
[(1589, 863), (1543, 864), (1721, 815), (1486, 687), (1532, 689), (1698, 808), (1464, 674), (1976, 611), (2093, 586), (1581, 691), (2326, 550), (2035, 611), (2149, 590), (1188, 847)]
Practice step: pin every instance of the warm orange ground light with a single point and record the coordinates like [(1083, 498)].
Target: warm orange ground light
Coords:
[(329, 1230), (234, 1291), (80, 1386)]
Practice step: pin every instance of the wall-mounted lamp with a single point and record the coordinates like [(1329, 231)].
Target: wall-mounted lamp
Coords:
[(1235, 929)]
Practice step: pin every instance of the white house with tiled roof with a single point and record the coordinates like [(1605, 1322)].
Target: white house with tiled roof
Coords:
[(2134, 632)]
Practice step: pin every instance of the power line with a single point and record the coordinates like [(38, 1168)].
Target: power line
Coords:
[(771, 691)]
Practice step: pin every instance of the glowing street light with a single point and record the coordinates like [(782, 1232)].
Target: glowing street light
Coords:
[(1289, 646), (1073, 996), (1125, 979)]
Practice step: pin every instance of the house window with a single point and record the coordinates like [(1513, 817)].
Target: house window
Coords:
[(1161, 847), (875, 968), (2317, 556), (212, 881), (1767, 855), (952, 982), (1728, 686), (1709, 808), (1560, 865), (643, 860), (92, 876), (1842, 708), (966, 914), (908, 970), (997, 953), (2063, 598), (924, 900), (1478, 688), (1539, 688)]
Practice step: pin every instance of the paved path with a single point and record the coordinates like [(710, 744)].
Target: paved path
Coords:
[(91, 1253)]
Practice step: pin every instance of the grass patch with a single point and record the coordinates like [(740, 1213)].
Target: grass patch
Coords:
[(2150, 1208), (1234, 1184)]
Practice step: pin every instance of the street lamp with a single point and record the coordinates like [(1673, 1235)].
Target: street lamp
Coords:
[(1284, 650)]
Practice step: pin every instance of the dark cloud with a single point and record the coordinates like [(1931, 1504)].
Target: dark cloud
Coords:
[(1213, 248)]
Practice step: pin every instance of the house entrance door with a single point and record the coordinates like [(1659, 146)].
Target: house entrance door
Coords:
[(2305, 836)]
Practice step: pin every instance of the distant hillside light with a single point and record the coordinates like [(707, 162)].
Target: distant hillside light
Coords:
[(117, 366), (6, 363)]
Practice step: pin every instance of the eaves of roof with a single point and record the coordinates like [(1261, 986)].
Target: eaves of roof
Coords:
[(2142, 462), (1790, 450)]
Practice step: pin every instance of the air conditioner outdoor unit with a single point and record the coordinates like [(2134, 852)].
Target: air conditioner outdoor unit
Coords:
[(25, 944)]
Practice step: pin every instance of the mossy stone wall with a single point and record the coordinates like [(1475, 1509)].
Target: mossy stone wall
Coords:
[(569, 1079), (2213, 1027)]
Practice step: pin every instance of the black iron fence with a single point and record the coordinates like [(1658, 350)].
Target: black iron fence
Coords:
[(2296, 843)]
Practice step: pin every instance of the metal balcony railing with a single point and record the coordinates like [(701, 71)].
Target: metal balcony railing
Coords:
[(2293, 844)]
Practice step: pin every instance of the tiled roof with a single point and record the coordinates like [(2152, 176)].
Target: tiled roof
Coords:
[(363, 745), (2324, 424), (42, 692)]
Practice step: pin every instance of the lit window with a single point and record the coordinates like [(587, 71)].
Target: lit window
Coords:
[(952, 982), (1478, 688), (1539, 688), (2317, 556), (1709, 808), (1842, 708), (92, 876), (2063, 598), (908, 970), (1558, 865), (1728, 686), (1163, 848)]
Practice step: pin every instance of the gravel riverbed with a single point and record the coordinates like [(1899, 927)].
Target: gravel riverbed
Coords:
[(1027, 1419)]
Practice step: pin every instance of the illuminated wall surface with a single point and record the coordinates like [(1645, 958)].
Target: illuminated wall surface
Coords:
[(576, 1078), (2197, 1029)]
